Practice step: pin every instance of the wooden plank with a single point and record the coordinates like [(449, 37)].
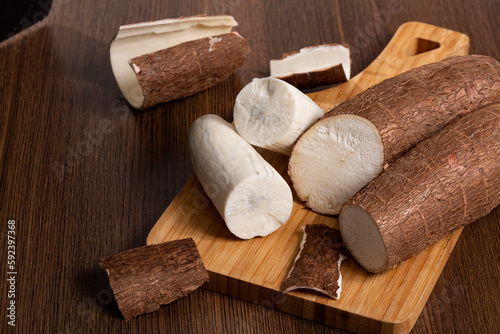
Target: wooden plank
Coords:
[(254, 269)]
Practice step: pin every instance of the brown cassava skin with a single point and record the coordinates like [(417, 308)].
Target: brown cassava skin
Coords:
[(317, 265), (143, 278), (327, 76), (417, 104), (446, 182), (188, 68)]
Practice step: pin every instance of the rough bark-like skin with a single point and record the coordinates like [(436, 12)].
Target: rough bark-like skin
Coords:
[(327, 76), (188, 68), (446, 182), (415, 105), (317, 264), (145, 277)]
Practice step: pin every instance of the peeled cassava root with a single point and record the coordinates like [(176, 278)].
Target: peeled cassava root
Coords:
[(313, 66), (157, 62), (339, 155), (251, 196), (446, 182), (272, 114)]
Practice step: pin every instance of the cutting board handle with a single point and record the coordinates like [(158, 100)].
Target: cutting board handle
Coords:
[(413, 39)]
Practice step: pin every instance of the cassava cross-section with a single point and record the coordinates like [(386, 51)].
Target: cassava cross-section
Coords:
[(446, 182), (339, 155)]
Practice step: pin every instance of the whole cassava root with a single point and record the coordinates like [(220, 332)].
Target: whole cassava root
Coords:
[(446, 182), (405, 110)]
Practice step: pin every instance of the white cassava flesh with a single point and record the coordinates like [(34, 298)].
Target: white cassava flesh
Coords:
[(312, 59), (348, 149), (272, 114), (134, 40), (251, 196)]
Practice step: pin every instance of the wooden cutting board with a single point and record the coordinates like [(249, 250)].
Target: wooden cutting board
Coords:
[(254, 270)]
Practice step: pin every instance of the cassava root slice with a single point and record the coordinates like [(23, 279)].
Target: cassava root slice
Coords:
[(272, 114), (405, 110), (446, 182), (134, 40), (317, 266), (251, 196), (146, 277), (188, 68), (313, 66)]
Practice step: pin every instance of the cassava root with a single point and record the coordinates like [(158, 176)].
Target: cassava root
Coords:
[(337, 156), (446, 182)]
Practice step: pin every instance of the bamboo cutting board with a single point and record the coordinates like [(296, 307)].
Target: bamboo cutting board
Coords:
[(254, 270)]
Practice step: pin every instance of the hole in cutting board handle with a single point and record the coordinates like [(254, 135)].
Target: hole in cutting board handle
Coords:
[(422, 45)]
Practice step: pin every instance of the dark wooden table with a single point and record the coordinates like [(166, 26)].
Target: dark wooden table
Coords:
[(83, 176)]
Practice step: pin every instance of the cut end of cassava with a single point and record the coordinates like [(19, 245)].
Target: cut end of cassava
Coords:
[(363, 239), (134, 40), (333, 160), (253, 209), (314, 66), (272, 114)]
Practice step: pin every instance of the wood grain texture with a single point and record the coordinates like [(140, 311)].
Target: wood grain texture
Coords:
[(116, 170), (256, 269)]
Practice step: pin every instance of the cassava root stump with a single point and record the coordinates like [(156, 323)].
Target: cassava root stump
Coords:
[(317, 266), (251, 196), (446, 182), (336, 157), (144, 278), (157, 62), (313, 66)]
